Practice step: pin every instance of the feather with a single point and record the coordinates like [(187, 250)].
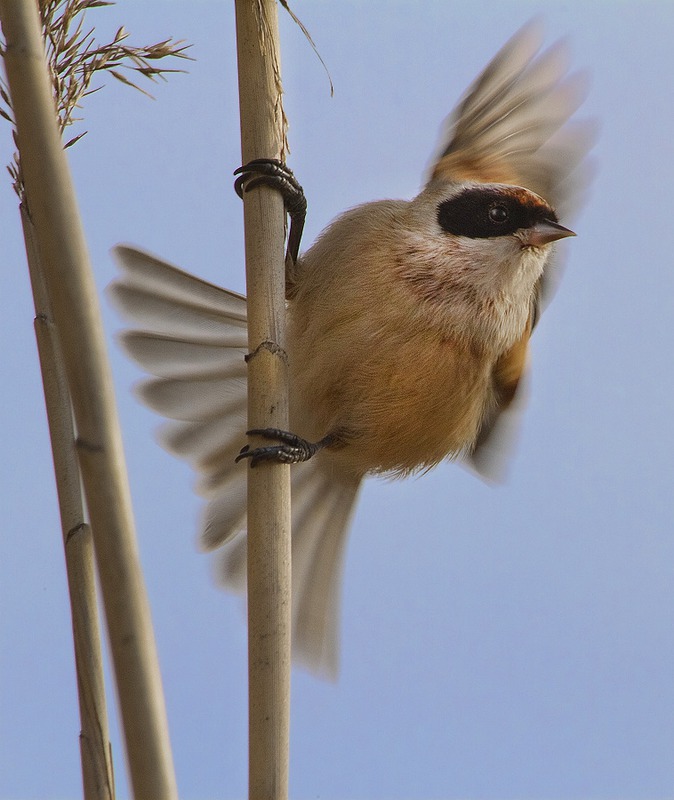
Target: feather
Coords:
[(513, 127), (508, 127), (191, 335), (322, 507)]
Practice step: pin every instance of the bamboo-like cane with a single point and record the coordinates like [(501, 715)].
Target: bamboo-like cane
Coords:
[(263, 135), (96, 756), (62, 250)]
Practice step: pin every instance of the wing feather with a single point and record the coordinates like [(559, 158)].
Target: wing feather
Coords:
[(191, 336), (513, 124)]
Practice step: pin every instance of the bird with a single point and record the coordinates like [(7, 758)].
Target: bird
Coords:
[(408, 328)]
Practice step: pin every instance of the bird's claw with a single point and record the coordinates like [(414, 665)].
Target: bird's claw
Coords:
[(274, 173), (292, 449)]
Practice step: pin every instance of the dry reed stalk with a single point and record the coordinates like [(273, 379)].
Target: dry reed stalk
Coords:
[(263, 136), (95, 751), (61, 249)]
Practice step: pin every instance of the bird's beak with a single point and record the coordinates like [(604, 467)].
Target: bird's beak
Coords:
[(545, 232)]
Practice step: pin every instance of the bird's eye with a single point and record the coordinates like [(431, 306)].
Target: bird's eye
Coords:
[(498, 214)]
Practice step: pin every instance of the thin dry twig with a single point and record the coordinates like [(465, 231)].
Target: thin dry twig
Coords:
[(307, 36)]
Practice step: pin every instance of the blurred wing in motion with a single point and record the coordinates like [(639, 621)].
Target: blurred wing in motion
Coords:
[(514, 127), (191, 336)]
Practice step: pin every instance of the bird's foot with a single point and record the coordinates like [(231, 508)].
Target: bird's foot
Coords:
[(292, 449), (274, 173)]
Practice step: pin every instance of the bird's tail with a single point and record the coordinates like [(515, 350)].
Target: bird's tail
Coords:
[(191, 336)]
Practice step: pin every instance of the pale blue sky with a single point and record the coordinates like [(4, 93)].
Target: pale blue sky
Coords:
[(511, 642)]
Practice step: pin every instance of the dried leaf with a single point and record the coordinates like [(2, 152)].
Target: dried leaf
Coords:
[(120, 77), (72, 141)]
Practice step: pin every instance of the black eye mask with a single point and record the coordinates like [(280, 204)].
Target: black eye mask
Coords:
[(483, 213)]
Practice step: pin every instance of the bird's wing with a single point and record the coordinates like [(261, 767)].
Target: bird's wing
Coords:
[(499, 426), (514, 126), (191, 336)]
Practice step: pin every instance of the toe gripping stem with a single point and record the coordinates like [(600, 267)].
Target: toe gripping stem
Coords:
[(274, 173), (292, 449)]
